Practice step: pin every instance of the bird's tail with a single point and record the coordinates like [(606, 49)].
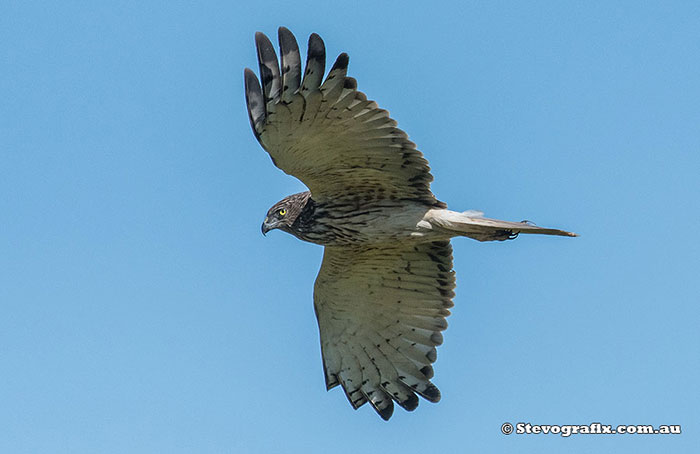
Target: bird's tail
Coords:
[(473, 225)]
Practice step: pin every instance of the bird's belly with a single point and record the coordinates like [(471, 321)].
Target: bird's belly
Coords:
[(374, 223)]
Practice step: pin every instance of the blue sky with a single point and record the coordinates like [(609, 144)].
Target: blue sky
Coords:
[(143, 311)]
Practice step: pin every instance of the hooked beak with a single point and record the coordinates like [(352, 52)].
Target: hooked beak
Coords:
[(265, 227)]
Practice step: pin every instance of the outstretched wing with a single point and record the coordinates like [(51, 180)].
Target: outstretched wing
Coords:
[(326, 133), (380, 312)]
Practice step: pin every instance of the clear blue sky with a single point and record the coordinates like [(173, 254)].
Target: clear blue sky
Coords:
[(142, 311)]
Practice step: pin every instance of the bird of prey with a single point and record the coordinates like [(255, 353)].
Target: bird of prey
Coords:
[(386, 283)]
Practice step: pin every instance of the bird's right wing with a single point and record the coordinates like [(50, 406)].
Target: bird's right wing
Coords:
[(380, 313), (326, 133)]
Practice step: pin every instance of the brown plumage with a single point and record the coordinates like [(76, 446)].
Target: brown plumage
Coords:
[(386, 283)]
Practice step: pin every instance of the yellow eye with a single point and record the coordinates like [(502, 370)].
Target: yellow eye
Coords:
[(282, 212)]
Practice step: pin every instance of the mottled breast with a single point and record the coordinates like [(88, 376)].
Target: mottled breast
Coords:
[(354, 221)]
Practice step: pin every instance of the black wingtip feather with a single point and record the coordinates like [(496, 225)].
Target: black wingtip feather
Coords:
[(287, 41), (269, 66), (254, 100), (411, 403), (428, 372), (290, 62), (341, 63), (316, 44), (317, 49), (431, 393), (350, 83), (315, 64), (386, 412)]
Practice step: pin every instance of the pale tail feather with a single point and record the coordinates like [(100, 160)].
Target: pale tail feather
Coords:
[(473, 225)]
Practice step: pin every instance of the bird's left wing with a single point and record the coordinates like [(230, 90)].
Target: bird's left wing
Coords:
[(380, 313), (326, 132)]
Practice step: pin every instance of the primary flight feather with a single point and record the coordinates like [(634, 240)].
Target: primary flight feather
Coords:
[(386, 282)]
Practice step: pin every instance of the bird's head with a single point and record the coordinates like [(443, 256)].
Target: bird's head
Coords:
[(283, 213)]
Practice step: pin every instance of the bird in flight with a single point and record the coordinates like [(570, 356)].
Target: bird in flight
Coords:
[(386, 283)]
